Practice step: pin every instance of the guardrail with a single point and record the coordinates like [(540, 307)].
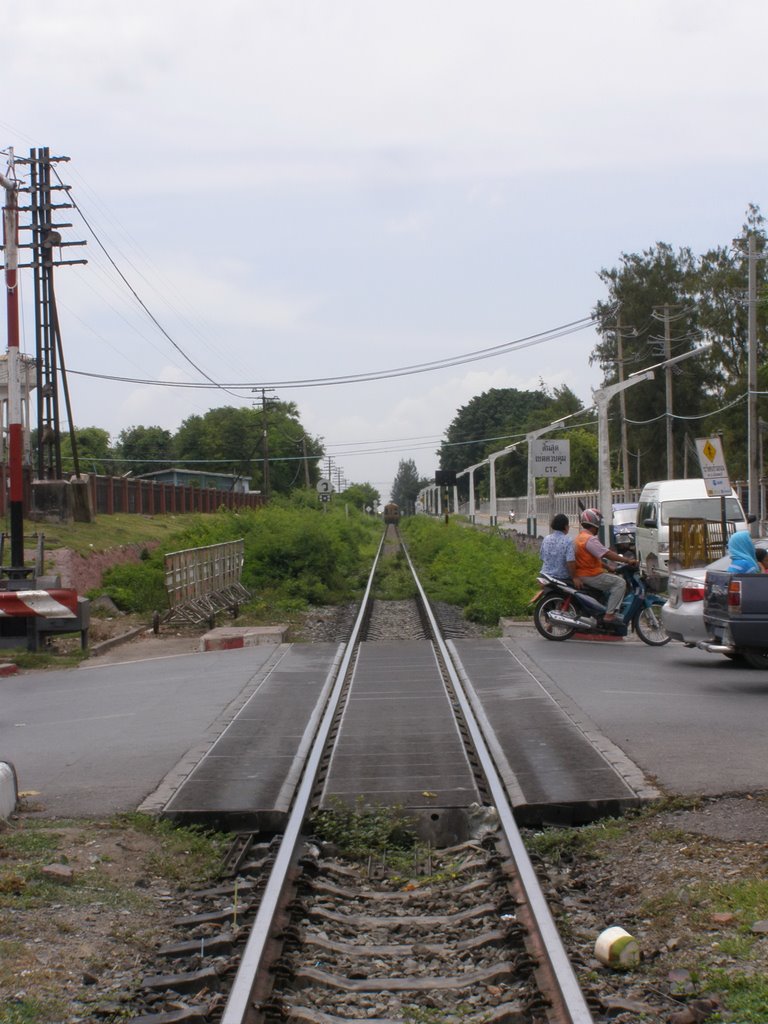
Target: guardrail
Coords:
[(200, 582)]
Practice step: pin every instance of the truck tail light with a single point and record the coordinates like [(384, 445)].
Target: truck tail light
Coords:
[(692, 592), (734, 595)]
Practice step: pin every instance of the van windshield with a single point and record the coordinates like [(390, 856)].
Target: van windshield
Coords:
[(701, 508)]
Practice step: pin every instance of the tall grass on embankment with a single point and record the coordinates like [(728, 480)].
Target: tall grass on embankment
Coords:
[(482, 571)]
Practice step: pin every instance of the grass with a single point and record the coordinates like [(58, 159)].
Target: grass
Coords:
[(103, 916), (481, 571), (724, 958), (110, 531)]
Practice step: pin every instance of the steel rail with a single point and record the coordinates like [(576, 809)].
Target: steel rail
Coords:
[(253, 954), (571, 998)]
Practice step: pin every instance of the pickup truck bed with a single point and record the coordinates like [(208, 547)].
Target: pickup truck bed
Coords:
[(736, 616)]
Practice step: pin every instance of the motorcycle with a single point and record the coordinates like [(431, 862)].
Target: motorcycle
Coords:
[(560, 610)]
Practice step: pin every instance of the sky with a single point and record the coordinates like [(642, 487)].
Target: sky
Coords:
[(298, 190)]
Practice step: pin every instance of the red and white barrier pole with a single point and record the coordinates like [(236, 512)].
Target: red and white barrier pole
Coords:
[(15, 438)]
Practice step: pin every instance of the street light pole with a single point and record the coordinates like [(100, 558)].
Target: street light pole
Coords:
[(492, 464), (471, 471), (602, 397)]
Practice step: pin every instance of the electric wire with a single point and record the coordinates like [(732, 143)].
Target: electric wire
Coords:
[(403, 371)]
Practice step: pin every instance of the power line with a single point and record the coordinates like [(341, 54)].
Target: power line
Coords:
[(439, 364), (147, 310)]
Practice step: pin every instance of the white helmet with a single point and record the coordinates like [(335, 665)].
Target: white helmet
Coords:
[(591, 517)]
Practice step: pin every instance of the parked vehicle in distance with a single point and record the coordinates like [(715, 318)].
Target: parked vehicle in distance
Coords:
[(662, 500), (736, 616), (624, 527)]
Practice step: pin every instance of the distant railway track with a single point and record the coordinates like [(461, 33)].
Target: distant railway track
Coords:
[(465, 933)]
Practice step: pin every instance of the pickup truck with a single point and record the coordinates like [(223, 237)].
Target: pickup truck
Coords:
[(736, 616)]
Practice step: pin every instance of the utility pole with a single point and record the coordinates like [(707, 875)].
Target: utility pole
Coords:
[(306, 461), (46, 239), (622, 406), (265, 441), (15, 441), (666, 351), (668, 395), (753, 426)]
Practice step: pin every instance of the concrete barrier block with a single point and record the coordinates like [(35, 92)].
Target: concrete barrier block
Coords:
[(230, 638)]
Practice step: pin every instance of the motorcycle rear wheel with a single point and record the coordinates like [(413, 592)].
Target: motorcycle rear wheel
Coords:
[(551, 630), (649, 627)]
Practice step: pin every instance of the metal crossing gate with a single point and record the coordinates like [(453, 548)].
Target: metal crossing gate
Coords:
[(201, 582)]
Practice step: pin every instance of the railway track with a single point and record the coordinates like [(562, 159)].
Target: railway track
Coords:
[(457, 933)]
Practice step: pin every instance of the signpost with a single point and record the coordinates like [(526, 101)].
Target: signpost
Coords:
[(551, 458), (324, 490), (715, 475), (713, 468)]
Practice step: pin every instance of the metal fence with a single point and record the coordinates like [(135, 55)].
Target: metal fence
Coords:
[(203, 581), (114, 494)]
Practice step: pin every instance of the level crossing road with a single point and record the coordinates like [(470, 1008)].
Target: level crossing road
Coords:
[(695, 723)]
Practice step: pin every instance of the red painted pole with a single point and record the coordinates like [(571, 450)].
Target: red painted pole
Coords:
[(15, 439)]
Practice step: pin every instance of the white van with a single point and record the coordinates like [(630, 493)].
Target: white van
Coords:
[(677, 499)]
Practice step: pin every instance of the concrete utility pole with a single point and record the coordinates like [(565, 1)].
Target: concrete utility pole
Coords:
[(666, 316), (668, 396), (753, 426), (623, 409)]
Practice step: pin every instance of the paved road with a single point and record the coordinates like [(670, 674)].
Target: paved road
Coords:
[(99, 739), (96, 740), (695, 722)]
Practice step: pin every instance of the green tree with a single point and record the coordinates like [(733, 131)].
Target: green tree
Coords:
[(362, 496), (498, 418), (649, 291), (406, 485), (494, 418), (232, 440), (93, 451), (144, 449), (723, 285)]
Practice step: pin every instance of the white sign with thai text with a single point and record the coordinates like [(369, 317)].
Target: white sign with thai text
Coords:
[(551, 458)]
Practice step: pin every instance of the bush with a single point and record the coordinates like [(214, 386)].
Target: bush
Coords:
[(137, 588), (483, 572), (294, 557)]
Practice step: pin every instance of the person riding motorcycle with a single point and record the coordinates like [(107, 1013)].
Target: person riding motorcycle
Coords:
[(590, 570)]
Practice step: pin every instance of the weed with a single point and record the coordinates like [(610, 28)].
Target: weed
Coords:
[(186, 854), (25, 1010), (360, 831), (564, 844), (745, 995), (482, 572)]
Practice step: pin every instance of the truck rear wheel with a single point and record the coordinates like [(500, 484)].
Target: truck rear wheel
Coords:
[(756, 659)]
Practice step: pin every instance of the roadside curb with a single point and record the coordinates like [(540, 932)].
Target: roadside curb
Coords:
[(115, 641)]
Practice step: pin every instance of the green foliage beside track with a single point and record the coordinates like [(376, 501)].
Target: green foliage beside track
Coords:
[(294, 556), (483, 572)]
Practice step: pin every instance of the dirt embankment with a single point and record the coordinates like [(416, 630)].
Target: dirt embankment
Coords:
[(84, 572)]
